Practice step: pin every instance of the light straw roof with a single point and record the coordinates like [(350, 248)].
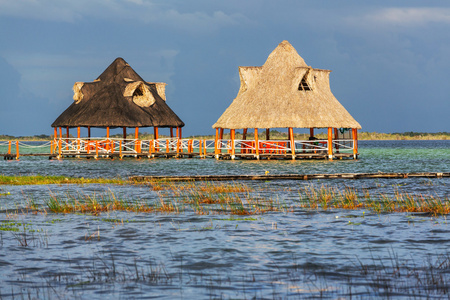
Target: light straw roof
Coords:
[(285, 92), (119, 97)]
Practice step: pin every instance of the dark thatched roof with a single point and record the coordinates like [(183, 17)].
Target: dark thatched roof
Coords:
[(285, 92), (119, 97)]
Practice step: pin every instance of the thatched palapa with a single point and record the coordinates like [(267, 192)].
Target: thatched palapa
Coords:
[(119, 97), (285, 92)]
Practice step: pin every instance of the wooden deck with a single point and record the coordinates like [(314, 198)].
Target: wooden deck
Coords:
[(98, 148)]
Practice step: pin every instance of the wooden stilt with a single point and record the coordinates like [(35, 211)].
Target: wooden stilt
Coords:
[(78, 139), (291, 135), (17, 150), (136, 138), (232, 133), (330, 143), (216, 144), (256, 143), (355, 142)]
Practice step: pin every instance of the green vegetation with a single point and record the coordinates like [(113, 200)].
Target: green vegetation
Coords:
[(38, 179)]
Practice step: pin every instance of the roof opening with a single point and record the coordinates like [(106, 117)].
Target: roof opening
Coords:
[(304, 86)]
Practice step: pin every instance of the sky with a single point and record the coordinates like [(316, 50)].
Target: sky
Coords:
[(390, 60)]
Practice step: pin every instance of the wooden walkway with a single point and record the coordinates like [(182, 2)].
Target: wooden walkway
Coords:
[(290, 176)]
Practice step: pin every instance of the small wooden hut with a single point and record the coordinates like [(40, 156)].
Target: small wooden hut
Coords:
[(285, 93), (119, 97)]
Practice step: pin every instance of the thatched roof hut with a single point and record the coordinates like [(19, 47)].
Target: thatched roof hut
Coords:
[(119, 97), (285, 93)]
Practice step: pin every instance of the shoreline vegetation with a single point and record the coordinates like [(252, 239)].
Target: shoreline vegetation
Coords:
[(274, 134), (210, 198)]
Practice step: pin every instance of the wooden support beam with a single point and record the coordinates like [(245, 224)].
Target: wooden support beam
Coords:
[(67, 138), (330, 143), (256, 143), (9, 147), (107, 132), (267, 134), (311, 132), (291, 136), (89, 132), (171, 132), (355, 142), (232, 133), (221, 134), (136, 138), (56, 133), (244, 134), (60, 133), (216, 144)]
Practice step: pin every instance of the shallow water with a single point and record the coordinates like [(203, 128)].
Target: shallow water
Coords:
[(289, 254)]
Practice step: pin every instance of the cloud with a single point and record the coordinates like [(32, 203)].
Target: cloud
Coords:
[(410, 16), (145, 12)]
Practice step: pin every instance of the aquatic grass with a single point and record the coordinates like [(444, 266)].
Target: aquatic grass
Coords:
[(323, 197), (43, 180)]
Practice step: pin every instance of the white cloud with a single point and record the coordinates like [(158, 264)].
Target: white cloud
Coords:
[(411, 16), (164, 15)]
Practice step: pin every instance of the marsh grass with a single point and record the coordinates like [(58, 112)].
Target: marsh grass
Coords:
[(324, 197), (38, 180)]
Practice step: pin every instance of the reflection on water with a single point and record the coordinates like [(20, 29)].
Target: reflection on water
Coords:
[(301, 253)]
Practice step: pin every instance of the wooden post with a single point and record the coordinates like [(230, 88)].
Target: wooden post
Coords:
[(120, 149), (136, 137), (9, 147), (107, 133), (267, 134), (78, 139), (221, 134), (171, 132), (124, 133), (96, 149), (56, 133), (60, 133), (291, 137), (155, 137), (311, 132), (330, 143), (89, 133), (232, 133), (200, 148), (355, 142), (216, 144), (17, 150), (256, 143)]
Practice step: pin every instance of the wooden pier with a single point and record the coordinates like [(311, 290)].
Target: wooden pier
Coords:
[(223, 149), (290, 176)]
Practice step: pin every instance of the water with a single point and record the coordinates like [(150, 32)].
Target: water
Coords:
[(294, 254)]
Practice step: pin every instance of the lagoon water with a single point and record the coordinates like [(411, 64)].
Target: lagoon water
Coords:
[(294, 254)]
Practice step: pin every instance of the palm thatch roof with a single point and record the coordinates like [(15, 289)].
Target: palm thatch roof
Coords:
[(119, 97), (285, 92)]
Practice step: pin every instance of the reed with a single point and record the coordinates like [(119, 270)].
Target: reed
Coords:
[(39, 179)]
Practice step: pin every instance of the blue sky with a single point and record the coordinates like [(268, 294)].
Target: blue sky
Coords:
[(390, 59)]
